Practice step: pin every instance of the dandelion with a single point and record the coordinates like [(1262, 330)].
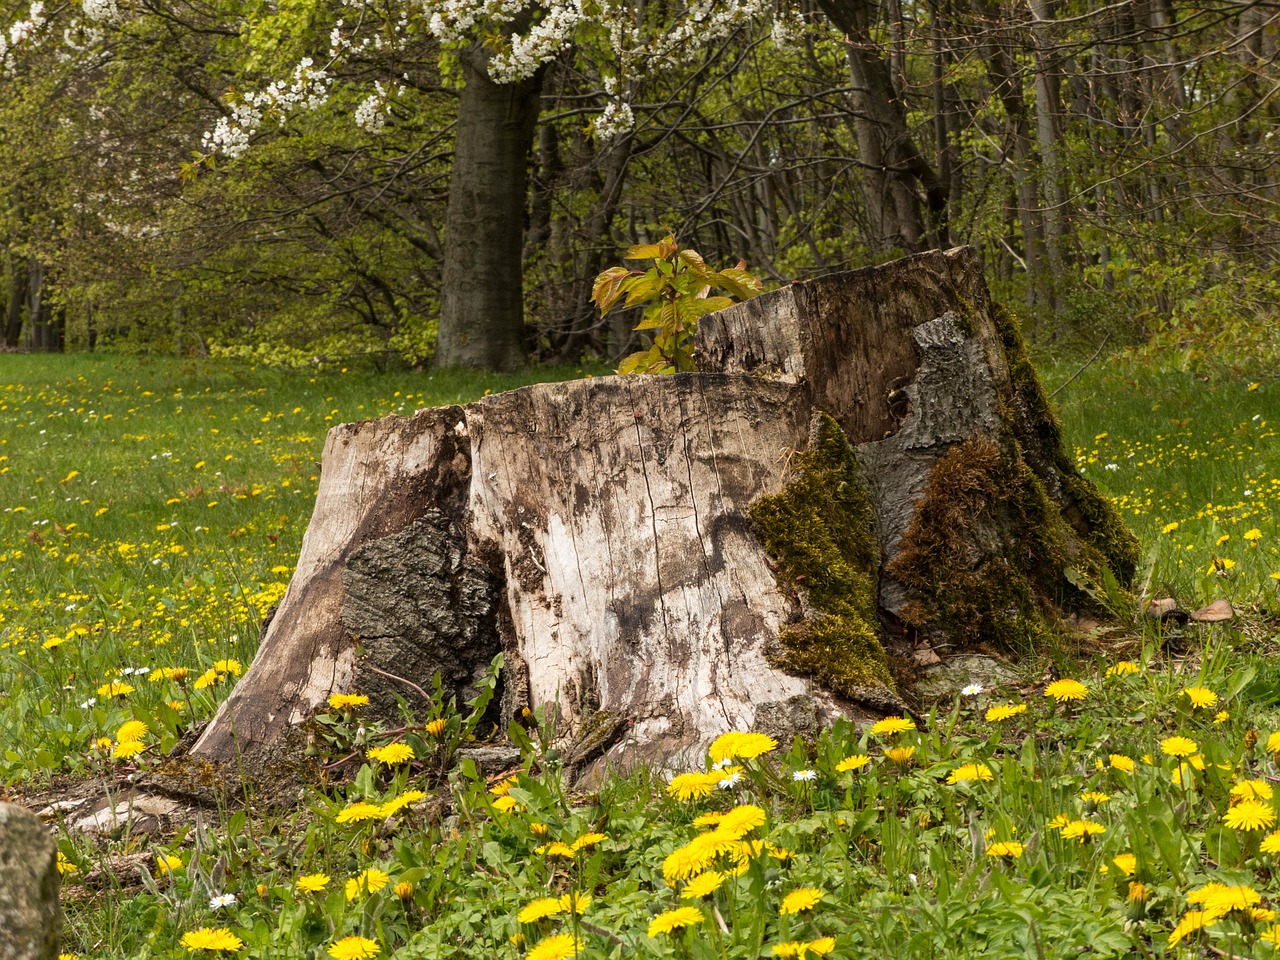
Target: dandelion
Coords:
[(692, 786), (367, 881), (1006, 849), (900, 755), (436, 727), (1168, 528), (1252, 790), (1253, 536), (128, 748), (1082, 830), (556, 849), (1190, 923), (347, 701), (1122, 763), (892, 725), (741, 820), (1223, 900), (65, 866), (588, 840), (855, 762), (116, 688), (358, 811), (1271, 844), (575, 903), (312, 882), (1179, 746), (675, 919), (1124, 668), (1126, 863), (403, 889), (1273, 744), (167, 863), (745, 746), (1004, 711), (702, 885), (353, 948), (804, 898), (1250, 815), (559, 946), (1200, 697), (391, 754), (1222, 716), (539, 829), (217, 939), (970, 771), (1095, 797), (799, 948), (540, 909), (1064, 691), (396, 804), (708, 819)]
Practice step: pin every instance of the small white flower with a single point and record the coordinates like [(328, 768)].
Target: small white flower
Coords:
[(88, 703), (1113, 467), (731, 781), (972, 690), (721, 764), (804, 776), (222, 900)]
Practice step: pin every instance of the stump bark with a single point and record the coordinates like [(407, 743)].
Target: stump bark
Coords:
[(866, 465)]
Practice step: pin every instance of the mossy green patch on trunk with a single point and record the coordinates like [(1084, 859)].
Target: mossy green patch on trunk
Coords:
[(1099, 526), (821, 531), (985, 552)]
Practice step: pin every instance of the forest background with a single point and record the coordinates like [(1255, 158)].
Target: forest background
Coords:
[(304, 182)]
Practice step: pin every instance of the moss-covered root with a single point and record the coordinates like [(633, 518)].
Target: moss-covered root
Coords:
[(821, 531), (985, 552), (1094, 520)]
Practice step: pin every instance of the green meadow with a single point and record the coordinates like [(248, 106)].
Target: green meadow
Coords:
[(1117, 800)]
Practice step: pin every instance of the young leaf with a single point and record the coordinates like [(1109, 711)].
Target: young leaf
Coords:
[(608, 287)]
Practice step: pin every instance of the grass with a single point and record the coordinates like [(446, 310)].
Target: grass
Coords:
[(152, 511)]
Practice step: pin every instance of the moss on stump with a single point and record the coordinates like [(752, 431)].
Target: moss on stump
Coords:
[(820, 529)]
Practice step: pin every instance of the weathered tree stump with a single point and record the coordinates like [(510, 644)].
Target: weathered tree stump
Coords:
[(871, 467)]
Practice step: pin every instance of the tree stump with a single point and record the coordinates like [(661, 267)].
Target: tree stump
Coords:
[(867, 465)]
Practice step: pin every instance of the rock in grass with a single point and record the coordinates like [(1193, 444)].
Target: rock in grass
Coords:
[(1216, 612), (29, 913)]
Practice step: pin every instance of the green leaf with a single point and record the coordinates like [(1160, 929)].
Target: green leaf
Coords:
[(738, 283), (608, 287), (643, 287)]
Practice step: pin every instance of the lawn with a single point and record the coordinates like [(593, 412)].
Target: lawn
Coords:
[(152, 512)]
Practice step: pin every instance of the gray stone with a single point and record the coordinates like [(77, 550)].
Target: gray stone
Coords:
[(142, 813), (30, 916), (491, 760), (946, 679)]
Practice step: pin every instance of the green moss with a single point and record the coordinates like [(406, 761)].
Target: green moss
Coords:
[(984, 554), (1106, 538), (821, 531)]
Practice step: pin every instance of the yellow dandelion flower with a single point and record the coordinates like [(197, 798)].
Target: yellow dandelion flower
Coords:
[(360, 810), (741, 820), (347, 701), (312, 882), (696, 855), (693, 786), (970, 771), (708, 819), (1095, 797), (558, 946), (116, 688), (1201, 698), (1082, 830), (575, 903), (128, 748), (353, 948), (539, 909), (1190, 923), (167, 863), (1123, 668), (588, 840), (1271, 843), (216, 939), (556, 849), (892, 725), (1250, 815), (855, 762), (539, 829), (1224, 900), (396, 804), (1122, 763), (1222, 716), (1273, 743), (367, 881), (1253, 536), (391, 754), (506, 804), (1008, 849), (65, 866), (900, 755), (803, 898), (1179, 746), (744, 746), (1252, 790), (1004, 711), (1066, 690), (1126, 863), (1058, 822), (702, 885), (436, 727), (503, 787), (675, 919)]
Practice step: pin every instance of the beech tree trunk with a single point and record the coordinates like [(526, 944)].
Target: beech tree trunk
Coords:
[(867, 467)]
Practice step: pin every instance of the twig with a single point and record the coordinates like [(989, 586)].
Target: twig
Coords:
[(409, 683), (601, 932), (1087, 363)]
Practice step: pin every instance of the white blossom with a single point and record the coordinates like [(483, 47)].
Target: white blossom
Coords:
[(972, 690), (101, 11)]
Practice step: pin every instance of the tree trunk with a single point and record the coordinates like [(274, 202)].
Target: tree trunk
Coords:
[(482, 295), (872, 471)]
